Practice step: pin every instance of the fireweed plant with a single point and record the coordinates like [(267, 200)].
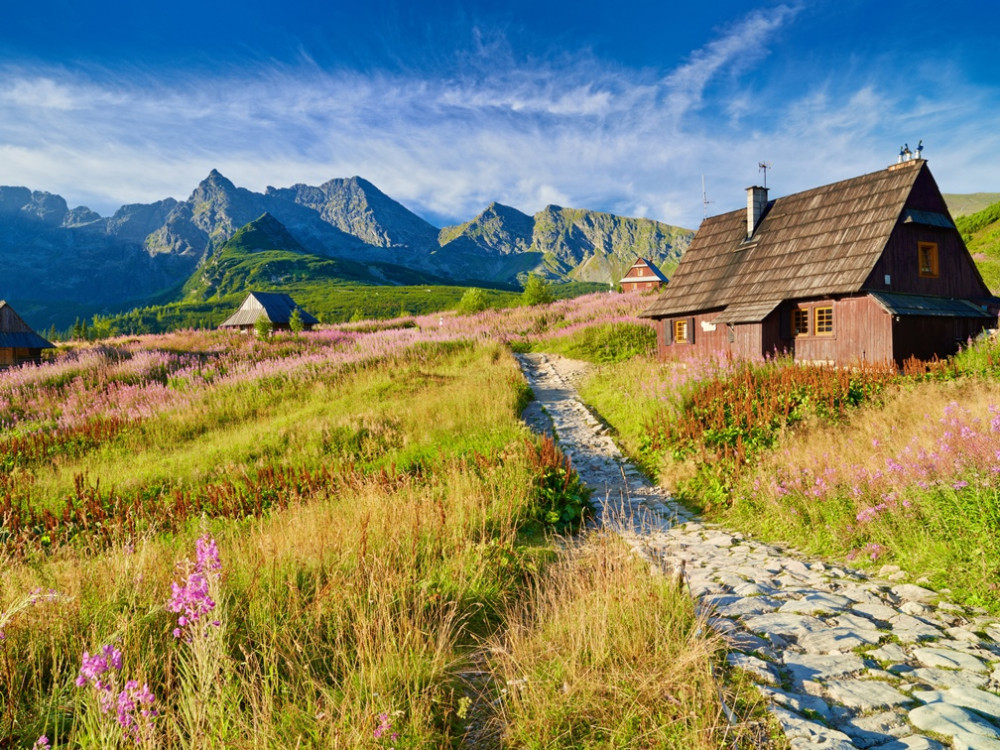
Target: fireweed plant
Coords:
[(377, 518), (125, 712), (875, 465)]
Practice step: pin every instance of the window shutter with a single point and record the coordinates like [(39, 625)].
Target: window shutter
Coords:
[(668, 332), (690, 330)]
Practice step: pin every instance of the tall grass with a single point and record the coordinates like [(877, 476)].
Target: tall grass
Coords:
[(870, 465), (377, 509), (604, 654), (351, 601)]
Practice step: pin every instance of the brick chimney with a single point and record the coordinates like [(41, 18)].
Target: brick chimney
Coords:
[(756, 203)]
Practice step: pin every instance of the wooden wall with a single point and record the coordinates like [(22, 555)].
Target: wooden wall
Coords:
[(926, 338), (10, 356), (957, 277), (634, 285)]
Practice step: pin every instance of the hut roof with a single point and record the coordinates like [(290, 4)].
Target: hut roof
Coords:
[(16, 334), (275, 307), (818, 242), (648, 264)]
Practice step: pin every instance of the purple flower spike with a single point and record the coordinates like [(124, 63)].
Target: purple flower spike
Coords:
[(191, 599)]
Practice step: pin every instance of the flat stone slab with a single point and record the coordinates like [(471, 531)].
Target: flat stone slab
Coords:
[(804, 667), (761, 669), (964, 741), (979, 701), (816, 603), (754, 605), (913, 742), (777, 623), (949, 678), (943, 718), (910, 629), (837, 640), (798, 702), (910, 592), (890, 652), (876, 611), (948, 659), (865, 694), (803, 733)]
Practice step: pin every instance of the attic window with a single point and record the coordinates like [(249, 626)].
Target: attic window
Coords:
[(927, 258)]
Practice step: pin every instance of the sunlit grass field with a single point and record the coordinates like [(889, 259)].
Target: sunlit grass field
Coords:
[(337, 540)]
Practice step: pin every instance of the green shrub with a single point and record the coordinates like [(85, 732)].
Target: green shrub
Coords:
[(562, 499), (537, 291)]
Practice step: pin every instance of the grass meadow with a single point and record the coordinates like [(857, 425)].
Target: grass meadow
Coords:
[(345, 539), (873, 466)]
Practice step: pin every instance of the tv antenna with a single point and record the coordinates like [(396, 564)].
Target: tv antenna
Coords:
[(704, 197), (763, 167)]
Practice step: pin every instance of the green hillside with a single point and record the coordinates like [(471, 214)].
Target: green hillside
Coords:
[(981, 232), (263, 255)]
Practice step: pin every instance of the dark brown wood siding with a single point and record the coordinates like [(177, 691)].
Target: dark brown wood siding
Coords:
[(957, 276), (19, 356), (926, 338), (742, 340)]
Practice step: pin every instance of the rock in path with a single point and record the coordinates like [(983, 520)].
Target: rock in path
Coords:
[(844, 660)]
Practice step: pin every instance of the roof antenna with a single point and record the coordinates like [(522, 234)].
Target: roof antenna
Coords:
[(763, 167), (704, 197)]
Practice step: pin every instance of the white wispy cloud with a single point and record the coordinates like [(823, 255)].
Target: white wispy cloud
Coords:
[(573, 131)]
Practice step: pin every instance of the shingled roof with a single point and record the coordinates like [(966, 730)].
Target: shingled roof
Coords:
[(16, 334), (820, 242), (275, 307)]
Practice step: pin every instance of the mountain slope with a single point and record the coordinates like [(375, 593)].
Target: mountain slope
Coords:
[(263, 255), (964, 204), (562, 243), (65, 263), (360, 209)]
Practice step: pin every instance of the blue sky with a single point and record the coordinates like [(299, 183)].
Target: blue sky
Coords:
[(616, 106)]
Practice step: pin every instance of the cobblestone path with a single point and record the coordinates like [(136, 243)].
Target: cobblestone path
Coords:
[(846, 660)]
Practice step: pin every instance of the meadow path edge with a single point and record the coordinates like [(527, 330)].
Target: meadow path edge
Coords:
[(843, 659)]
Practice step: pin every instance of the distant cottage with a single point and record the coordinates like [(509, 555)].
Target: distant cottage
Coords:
[(277, 308), (642, 275), (18, 343), (868, 269)]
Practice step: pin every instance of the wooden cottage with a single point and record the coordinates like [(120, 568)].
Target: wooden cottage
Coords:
[(18, 343), (642, 275), (277, 308), (868, 269)]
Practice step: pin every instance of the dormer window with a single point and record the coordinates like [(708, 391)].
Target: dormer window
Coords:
[(927, 259)]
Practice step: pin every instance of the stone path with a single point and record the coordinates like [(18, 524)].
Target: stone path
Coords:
[(845, 660)]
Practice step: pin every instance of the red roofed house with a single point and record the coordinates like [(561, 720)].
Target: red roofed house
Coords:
[(867, 269), (642, 275)]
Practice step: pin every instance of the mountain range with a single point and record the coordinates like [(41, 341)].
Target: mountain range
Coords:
[(58, 263)]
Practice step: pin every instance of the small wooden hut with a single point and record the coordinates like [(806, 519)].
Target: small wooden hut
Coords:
[(18, 343), (867, 269), (272, 306), (641, 276)]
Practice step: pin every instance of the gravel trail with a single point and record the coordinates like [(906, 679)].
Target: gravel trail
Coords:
[(844, 659)]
